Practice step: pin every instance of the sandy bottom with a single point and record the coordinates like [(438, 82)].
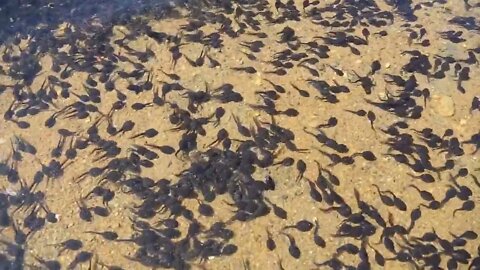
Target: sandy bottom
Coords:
[(446, 111)]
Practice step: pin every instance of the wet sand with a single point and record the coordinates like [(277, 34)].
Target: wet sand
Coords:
[(446, 108)]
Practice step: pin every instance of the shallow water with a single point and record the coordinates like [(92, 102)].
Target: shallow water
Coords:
[(350, 107)]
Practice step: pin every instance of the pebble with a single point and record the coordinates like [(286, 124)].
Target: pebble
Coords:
[(382, 96), (258, 79), (443, 105)]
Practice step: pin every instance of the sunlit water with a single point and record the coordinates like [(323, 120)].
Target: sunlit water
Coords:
[(239, 134)]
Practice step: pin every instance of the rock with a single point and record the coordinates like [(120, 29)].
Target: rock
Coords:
[(382, 95), (443, 105)]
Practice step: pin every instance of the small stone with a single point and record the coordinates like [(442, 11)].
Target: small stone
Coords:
[(382, 96), (443, 105), (258, 79)]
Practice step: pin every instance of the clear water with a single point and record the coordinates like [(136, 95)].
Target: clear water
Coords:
[(239, 134)]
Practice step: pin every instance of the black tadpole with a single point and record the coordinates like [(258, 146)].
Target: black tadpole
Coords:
[(292, 248), (149, 133), (302, 226), (270, 243), (301, 168), (371, 117)]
